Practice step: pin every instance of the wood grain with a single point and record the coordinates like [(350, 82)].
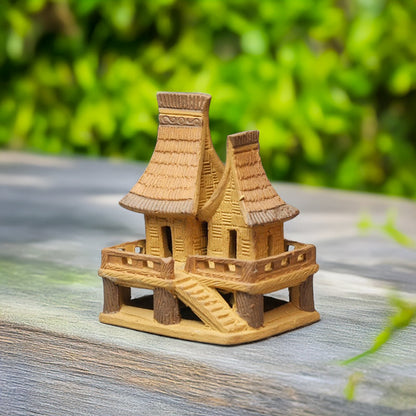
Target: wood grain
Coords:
[(114, 296), (302, 296), (102, 380), (166, 308), (251, 308), (57, 359)]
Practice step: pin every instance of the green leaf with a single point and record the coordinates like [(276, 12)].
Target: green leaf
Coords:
[(84, 69), (14, 45), (404, 316), (353, 380), (365, 223), (391, 230), (254, 42), (403, 79), (20, 23)]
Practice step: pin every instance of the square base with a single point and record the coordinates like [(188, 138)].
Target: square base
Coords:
[(276, 321)]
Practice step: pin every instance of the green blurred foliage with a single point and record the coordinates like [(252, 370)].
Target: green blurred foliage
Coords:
[(353, 381), (403, 317), (331, 85), (389, 228)]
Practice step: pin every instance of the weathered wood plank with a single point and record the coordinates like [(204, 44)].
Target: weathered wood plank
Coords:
[(72, 376), (56, 358)]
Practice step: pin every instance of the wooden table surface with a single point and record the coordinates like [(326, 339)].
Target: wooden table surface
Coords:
[(57, 359)]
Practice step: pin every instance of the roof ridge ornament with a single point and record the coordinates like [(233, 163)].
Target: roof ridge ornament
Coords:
[(244, 138), (184, 101)]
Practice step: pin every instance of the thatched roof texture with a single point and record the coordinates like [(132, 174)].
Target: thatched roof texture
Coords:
[(259, 202), (184, 169)]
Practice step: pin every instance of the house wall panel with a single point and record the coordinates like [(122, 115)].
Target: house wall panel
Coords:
[(268, 239), (229, 217), (187, 236)]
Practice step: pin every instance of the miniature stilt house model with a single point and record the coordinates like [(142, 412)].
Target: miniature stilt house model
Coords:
[(214, 240)]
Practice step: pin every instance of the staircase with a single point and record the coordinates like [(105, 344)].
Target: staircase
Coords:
[(208, 304)]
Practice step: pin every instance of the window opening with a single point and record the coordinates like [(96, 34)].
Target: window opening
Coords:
[(232, 251), (204, 247), (270, 247), (167, 241)]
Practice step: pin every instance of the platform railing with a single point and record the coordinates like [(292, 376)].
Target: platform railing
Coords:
[(138, 246), (130, 257), (301, 255), (253, 270)]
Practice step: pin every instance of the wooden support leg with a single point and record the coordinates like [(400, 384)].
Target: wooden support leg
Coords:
[(250, 308), (302, 296), (166, 307), (114, 296)]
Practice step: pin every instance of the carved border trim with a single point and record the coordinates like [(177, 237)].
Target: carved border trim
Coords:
[(180, 121)]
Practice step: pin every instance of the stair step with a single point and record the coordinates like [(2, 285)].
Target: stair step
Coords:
[(216, 307), (230, 322), (187, 285), (208, 304), (202, 296), (210, 301)]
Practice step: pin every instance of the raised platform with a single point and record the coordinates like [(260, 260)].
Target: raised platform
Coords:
[(281, 319)]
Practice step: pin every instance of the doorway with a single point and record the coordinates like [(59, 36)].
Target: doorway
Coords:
[(232, 247), (167, 247)]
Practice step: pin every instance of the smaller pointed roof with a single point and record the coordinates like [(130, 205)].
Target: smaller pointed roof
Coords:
[(259, 202)]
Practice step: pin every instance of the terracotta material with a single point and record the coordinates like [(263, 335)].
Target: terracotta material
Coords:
[(214, 240)]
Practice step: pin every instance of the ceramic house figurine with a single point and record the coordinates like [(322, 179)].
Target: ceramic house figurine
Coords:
[(214, 240)]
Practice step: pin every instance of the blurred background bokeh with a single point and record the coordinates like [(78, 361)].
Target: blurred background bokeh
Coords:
[(331, 85)]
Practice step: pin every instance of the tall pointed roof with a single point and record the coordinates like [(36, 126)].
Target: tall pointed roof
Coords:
[(171, 183), (259, 202)]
